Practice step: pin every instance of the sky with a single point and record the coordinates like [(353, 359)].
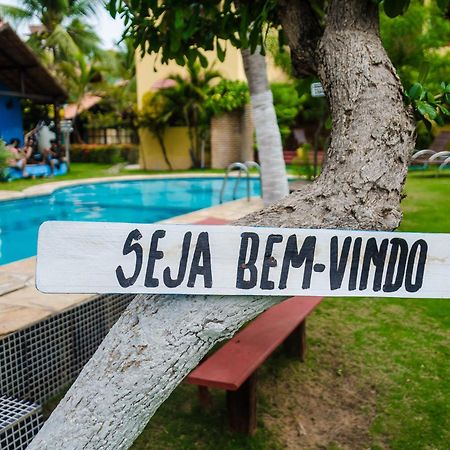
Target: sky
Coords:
[(109, 29)]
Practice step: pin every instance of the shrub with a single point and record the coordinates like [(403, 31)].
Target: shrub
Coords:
[(287, 105), (227, 96), (4, 157), (104, 153)]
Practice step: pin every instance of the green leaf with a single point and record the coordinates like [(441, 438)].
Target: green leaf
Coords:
[(220, 51), (430, 98), (415, 91), (426, 110), (440, 121), (394, 8), (191, 56), (444, 110), (203, 60), (111, 6), (179, 19)]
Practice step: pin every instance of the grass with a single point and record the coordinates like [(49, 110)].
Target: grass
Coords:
[(376, 376), (96, 170), (90, 170)]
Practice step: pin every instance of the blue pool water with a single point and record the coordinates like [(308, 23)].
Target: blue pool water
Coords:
[(143, 201)]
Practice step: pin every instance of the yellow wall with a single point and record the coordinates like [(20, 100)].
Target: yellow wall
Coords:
[(232, 68), (177, 143)]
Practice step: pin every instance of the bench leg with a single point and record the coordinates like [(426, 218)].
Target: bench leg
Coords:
[(241, 406), (204, 397), (295, 343)]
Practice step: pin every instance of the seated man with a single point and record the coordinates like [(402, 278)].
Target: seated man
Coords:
[(18, 160), (54, 155)]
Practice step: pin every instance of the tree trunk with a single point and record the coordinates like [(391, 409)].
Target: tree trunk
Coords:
[(159, 339), (268, 138), (154, 345), (373, 132), (160, 138)]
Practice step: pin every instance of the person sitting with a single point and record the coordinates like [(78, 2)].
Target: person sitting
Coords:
[(54, 155), (18, 160), (28, 150)]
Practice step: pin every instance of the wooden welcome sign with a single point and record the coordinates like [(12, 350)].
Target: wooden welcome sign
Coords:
[(95, 257)]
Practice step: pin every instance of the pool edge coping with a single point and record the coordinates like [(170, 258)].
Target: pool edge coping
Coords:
[(52, 186)]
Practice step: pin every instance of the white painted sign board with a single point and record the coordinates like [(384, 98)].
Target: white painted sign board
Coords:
[(96, 257), (317, 90)]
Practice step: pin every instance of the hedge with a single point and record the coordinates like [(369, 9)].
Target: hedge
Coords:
[(102, 153)]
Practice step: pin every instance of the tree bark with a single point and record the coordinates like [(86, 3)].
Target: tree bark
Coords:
[(268, 138), (159, 339), (148, 352), (373, 132)]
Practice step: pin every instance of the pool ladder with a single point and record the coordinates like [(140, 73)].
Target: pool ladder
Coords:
[(241, 167)]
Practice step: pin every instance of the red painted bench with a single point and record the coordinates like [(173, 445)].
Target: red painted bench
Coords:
[(233, 367)]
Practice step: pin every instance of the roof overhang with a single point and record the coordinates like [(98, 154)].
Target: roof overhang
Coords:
[(23, 73)]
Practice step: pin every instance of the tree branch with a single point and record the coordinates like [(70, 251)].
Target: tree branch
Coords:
[(303, 32)]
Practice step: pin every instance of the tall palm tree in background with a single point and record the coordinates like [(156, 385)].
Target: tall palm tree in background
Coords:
[(61, 33)]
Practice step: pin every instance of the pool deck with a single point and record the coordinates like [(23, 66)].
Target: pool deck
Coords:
[(22, 305)]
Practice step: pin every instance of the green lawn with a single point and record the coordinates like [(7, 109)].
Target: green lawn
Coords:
[(377, 373), (90, 170)]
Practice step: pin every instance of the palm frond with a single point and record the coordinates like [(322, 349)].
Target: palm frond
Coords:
[(60, 40), (14, 14)]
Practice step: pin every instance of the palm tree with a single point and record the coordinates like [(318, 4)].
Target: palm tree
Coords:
[(62, 34), (191, 92), (268, 137)]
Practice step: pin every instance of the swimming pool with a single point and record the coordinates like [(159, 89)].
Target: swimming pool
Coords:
[(142, 201)]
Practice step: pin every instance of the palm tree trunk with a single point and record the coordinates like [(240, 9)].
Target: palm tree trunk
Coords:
[(268, 138), (162, 144)]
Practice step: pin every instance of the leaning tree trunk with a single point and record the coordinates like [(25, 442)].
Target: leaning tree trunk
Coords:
[(160, 339), (268, 138)]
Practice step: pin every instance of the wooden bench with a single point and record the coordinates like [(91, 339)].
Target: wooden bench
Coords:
[(233, 367)]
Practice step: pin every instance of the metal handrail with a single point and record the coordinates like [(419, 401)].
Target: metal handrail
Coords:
[(242, 168), (446, 161), (438, 155), (420, 153), (255, 165)]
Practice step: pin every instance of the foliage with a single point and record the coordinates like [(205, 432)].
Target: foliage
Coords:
[(429, 107), (414, 44), (157, 113), (227, 96), (105, 154), (117, 109), (63, 33), (185, 103), (4, 157), (394, 8), (287, 105), (183, 30), (280, 53)]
